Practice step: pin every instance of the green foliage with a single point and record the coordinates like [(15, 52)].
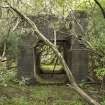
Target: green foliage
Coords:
[(13, 41), (14, 101), (6, 75), (100, 73), (99, 45), (96, 36), (60, 2), (39, 95), (103, 100)]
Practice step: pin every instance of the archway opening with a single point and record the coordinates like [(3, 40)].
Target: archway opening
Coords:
[(49, 63)]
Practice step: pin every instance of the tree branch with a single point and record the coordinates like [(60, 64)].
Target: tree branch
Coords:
[(100, 6)]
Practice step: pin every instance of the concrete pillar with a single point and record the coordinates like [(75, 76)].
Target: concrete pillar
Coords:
[(78, 53), (26, 59), (79, 61)]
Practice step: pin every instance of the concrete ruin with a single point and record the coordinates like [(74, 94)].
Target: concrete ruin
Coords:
[(68, 35)]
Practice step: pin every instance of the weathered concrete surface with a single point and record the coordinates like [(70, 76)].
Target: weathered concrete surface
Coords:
[(75, 53)]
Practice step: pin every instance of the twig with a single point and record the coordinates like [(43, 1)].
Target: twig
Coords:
[(100, 6), (16, 25)]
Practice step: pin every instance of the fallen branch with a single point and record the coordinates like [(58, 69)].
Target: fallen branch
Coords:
[(66, 68)]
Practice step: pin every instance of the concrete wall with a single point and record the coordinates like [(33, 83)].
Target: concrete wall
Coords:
[(75, 53)]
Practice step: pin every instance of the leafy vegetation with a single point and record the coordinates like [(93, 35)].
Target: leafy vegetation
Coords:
[(19, 94), (39, 95)]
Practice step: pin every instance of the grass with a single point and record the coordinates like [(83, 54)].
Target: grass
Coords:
[(51, 67), (38, 95), (15, 94)]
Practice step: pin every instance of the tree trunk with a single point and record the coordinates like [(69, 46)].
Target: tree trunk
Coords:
[(66, 68)]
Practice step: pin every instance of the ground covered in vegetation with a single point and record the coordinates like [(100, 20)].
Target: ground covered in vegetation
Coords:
[(38, 95), (15, 92), (43, 95)]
